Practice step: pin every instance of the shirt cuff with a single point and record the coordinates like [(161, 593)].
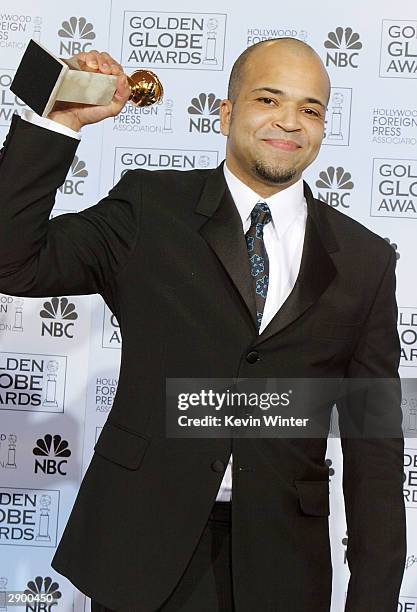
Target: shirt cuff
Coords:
[(48, 124)]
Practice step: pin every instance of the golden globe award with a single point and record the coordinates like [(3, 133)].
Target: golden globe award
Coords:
[(145, 88), (42, 79)]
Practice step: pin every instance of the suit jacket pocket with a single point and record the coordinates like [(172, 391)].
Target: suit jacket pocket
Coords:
[(122, 446), (313, 496)]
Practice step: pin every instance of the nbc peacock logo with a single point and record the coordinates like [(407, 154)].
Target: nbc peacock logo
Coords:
[(335, 186), (204, 112), (329, 464), (76, 35), (42, 594), (74, 183), (394, 246), (59, 315), (53, 452), (343, 46)]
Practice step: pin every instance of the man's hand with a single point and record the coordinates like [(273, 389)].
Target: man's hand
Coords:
[(75, 115)]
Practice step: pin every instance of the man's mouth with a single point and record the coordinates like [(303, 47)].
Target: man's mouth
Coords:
[(284, 145)]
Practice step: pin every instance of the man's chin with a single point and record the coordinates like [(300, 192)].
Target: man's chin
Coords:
[(273, 175)]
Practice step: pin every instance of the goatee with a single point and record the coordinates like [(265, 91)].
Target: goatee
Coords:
[(273, 174)]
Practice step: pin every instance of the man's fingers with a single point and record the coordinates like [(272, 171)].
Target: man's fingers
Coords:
[(102, 62), (122, 92), (117, 69), (107, 64)]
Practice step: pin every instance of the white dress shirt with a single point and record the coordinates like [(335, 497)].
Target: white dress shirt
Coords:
[(283, 237), (48, 124)]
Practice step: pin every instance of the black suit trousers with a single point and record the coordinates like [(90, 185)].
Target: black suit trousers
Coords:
[(206, 584)]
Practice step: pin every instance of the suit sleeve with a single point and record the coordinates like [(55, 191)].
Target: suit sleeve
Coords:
[(70, 254), (373, 467)]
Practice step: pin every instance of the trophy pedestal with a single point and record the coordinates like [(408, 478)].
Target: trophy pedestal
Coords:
[(42, 79)]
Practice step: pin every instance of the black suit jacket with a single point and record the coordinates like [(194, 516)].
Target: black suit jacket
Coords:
[(166, 251)]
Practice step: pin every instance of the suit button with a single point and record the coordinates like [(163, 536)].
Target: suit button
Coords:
[(217, 466), (252, 357)]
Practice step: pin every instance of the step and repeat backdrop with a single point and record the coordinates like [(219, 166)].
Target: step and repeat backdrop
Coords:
[(59, 357)]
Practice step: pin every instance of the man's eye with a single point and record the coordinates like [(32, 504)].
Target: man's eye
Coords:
[(311, 111), (266, 100)]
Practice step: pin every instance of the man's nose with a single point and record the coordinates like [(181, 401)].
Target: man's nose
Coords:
[(287, 118)]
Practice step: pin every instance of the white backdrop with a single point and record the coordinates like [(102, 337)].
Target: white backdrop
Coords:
[(59, 359)]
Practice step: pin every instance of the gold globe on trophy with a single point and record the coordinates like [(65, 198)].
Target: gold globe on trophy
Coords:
[(145, 88)]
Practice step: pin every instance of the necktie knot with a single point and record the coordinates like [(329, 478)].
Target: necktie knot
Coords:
[(260, 215)]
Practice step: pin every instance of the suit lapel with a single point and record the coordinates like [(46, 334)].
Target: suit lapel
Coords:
[(223, 232), (317, 270)]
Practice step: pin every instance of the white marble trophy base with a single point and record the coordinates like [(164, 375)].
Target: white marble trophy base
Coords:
[(87, 87)]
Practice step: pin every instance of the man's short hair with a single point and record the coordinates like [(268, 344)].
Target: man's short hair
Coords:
[(238, 68)]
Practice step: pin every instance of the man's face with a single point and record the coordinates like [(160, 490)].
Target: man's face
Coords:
[(275, 125)]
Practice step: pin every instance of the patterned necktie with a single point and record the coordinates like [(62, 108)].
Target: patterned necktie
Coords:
[(258, 257)]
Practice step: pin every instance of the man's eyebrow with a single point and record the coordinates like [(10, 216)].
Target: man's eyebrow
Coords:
[(279, 92)]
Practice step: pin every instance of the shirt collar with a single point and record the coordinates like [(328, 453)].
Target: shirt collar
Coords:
[(285, 205)]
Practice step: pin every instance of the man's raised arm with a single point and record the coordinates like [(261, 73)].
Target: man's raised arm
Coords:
[(72, 253)]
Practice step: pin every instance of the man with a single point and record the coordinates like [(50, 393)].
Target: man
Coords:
[(167, 251)]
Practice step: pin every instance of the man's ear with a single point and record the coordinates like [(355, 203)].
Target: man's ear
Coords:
[(225, 116)]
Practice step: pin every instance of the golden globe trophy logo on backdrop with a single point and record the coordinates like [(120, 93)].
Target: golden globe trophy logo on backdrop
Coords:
[(335, 186), (398, 49), (129, 158), (343, 46), (338, 117), (29, 517), (11, 314), (189, 41), (34, 383), (8, 451), (409, 409), (394, 188)]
